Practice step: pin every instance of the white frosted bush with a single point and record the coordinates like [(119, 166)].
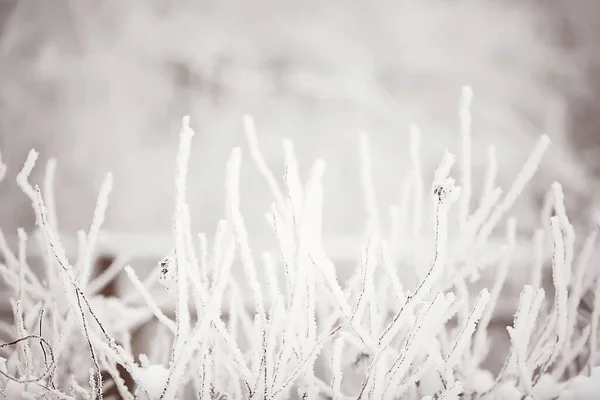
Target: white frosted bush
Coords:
[(404, 326)]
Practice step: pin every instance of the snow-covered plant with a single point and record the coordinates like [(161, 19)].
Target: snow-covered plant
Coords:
[(408, 324)]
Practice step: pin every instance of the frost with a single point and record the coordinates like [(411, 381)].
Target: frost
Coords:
[(281, 324), (152, 379), (583, 387)]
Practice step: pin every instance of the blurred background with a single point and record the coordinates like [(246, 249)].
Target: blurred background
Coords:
[(102, 86)]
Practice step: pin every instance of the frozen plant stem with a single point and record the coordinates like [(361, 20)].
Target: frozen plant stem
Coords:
[(465, 167), (370, 199), (524, 176), (417, 180), (181, 225), (443, 195)]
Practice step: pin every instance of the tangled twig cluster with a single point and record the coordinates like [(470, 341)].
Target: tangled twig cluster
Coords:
[(381, 336)]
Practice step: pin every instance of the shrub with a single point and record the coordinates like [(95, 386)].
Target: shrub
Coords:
[(380, 336)]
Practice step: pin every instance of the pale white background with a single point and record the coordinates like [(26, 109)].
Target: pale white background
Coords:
[(103, 87)]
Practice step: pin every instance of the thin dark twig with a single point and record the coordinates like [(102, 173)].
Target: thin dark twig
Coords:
[(93, 353), (48, 368), (409, 299), (43, 350), (51, 380)]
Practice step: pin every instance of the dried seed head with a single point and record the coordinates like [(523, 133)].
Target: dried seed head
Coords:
[(167, 272), (440, 192)]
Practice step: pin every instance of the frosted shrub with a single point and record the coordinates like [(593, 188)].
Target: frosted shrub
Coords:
[(404, 326)]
